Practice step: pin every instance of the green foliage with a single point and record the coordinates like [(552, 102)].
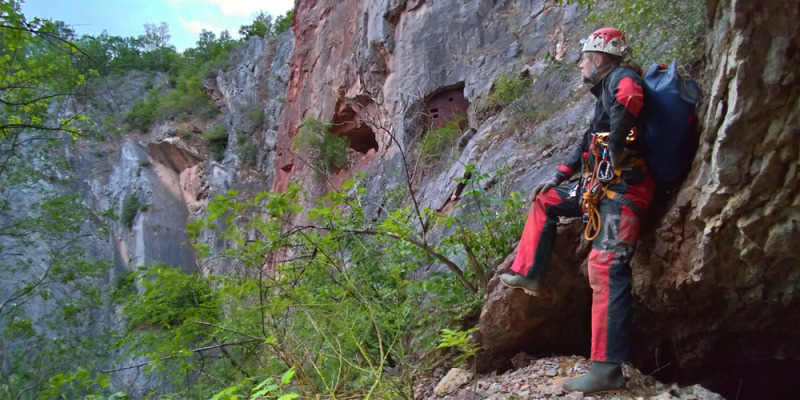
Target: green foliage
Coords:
[(261, 26), (78, 382), (124, 285), (437, 140), (256, 115), (657, 31), (460, 341), (283, 23), (187, 99), (488, 223), (507, 87), (264, 26), (43, 261), (325, 151), (210, 54), (268, 387), (143, 111), (130, 207), (217, 139), (37, 72), (337, 303), (170, 298), (582, 3), (245, 149)]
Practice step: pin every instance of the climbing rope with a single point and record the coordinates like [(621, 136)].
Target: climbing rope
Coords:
[(591, 198), (602, 173)]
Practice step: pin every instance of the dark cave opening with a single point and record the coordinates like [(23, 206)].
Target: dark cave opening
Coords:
[(767, 379), (728, 372), (347, 123)]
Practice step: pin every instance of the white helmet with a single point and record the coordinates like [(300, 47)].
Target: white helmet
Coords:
[(606, 40)]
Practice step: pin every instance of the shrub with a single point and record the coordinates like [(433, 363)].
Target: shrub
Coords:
[(143, 111), (245, 149), (170, 298), (130, 207), (256, 115), (188, 98), (508, 87), (124, 285), (217, 139), (437, 140), (283, 23), (325, 150)]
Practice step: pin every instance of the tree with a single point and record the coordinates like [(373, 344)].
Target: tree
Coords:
[(157, 53), (261, 26), (283, 23), (155, 37), (43, 224), (265, 25)]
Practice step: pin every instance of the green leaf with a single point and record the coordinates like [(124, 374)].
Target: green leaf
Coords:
[(287, 376)]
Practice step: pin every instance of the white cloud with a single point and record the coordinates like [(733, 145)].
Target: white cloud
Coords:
[(195, 27), (240, 8), (244, 8)]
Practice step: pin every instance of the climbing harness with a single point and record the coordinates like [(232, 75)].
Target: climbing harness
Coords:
[(603, 174)]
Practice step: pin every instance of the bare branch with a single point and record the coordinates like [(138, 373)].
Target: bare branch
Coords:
[(197, 350), (371, 121), (203, 323), (428, 249)]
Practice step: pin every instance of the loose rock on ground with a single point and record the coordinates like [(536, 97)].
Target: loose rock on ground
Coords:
[(541, 378)]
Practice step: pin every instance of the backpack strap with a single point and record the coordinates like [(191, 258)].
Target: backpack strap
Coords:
[(625, 200)]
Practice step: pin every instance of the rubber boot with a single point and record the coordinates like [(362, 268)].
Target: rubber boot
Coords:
[(528, 285), (603, 377)]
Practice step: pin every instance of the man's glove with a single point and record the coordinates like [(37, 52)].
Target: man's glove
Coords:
[(620, 158), (546, 185)]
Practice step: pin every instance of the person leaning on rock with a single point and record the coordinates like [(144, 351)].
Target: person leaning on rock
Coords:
[(612, 193)]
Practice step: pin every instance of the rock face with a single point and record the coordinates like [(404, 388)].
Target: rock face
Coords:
[(172, 175), (378, 63), (715, 276)]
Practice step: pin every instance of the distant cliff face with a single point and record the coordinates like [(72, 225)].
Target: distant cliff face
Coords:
[(169, 171), (168, 167)]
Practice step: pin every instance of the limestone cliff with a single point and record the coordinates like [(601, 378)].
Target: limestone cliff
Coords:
[(716, 272)]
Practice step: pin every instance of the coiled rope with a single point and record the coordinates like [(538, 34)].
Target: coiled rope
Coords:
[(594, 193)]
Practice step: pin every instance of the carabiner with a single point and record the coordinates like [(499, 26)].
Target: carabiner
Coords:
[(605, 171)]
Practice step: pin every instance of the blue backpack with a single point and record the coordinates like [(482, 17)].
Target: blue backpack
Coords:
[(667, 122)]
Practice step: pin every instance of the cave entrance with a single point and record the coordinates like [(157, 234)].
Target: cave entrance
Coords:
[(447, 105), (347, 123)]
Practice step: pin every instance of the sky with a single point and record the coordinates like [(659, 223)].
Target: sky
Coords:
[(186, 18)]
